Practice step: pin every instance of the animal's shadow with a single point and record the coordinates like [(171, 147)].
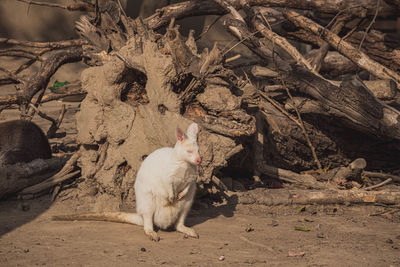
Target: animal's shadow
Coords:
[(198, 216)]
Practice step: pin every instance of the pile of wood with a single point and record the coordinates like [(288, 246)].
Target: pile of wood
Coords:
[(265, 117)]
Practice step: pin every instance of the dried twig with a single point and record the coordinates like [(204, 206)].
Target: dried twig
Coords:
[(370, 25), (303, 128), (56, 124), (395, 209), (323, 50), (282, 42), (381, 175), (208, 27), (298, 121), (257, 244), (12, 76), (82, 6), (378, 185)]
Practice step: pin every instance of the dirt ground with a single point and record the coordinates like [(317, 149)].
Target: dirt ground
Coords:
[(239, 235)]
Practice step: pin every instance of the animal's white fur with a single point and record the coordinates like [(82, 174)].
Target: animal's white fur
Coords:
[(165, 187), (166, 183)]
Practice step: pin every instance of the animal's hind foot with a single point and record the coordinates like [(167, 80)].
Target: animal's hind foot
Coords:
[(187, 231), (152, 235)]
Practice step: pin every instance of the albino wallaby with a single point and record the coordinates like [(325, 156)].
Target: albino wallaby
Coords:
[(165, 187)]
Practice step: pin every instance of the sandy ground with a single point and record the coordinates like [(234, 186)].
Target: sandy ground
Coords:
[(239, 235)]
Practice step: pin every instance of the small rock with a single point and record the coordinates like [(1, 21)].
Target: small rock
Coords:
[(26, 250), (296, 254), (249, 228), (143, 249), (320, 235), (274, 223), (185, 236), (221, 258), (389, 241)]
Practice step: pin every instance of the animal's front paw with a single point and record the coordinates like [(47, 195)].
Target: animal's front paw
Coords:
[(181, 195), (152, 235), (187, 231)]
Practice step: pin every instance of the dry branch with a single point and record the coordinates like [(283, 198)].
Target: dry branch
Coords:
[(53, 45), (181, 10), (47, 69), (64, 174), (388, 180), (323, 50), (280, 41), (304, 180), (80, 6), (381, 175), (358, 57)]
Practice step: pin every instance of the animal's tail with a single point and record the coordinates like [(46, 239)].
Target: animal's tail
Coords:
[(120, 217)]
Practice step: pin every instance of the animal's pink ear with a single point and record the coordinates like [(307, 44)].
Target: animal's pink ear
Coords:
[(180, 135)]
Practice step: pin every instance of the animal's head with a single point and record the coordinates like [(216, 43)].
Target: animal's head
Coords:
[(186, 144)]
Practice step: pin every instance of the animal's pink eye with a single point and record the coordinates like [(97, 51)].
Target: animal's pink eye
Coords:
[(190, 151)]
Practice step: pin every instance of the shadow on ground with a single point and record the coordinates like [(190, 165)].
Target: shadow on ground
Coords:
[(15, 213)]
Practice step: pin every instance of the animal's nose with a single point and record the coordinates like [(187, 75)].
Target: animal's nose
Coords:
[(198, 160)]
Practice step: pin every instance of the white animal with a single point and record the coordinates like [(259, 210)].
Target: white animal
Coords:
[(165, 187)]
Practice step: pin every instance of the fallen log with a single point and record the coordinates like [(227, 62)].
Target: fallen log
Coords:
[(64, 174), (16, 177), (274, 197), (351, 101), (382, 89)]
